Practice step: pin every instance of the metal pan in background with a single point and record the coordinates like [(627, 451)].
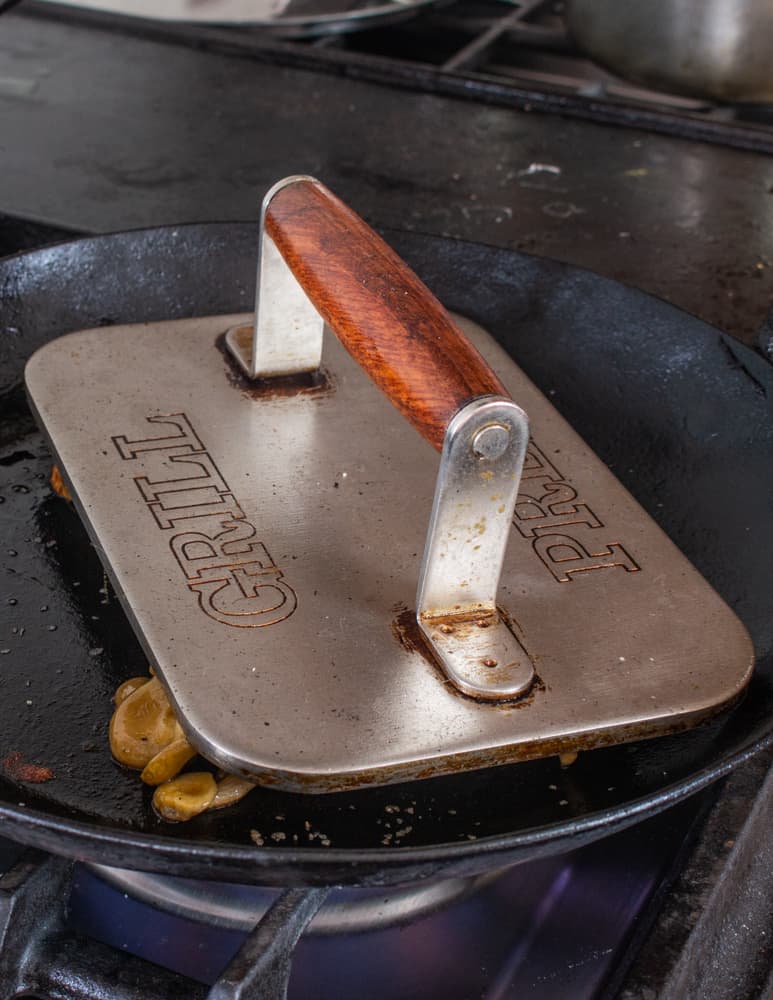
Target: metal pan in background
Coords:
[(680, 412), (719, 51), (279, 18)]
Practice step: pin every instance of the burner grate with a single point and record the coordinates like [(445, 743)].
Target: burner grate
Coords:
[(512, 53), (41, 956)]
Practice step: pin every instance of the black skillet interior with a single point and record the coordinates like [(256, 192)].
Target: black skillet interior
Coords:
[(680, 412)]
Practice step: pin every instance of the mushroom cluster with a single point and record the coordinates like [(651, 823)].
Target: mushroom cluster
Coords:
[(145, 735)]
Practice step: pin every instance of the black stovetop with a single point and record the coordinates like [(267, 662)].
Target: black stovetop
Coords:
[(111, 127)]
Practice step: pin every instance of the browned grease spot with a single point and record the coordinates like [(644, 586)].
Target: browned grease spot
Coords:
[(516, 704), (406, 630), (17, 767), (58, 484), (313, 384)]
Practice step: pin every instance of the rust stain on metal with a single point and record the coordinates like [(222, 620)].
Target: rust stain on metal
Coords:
[(15, 766), (518, 704), (406, 631), (475, 760), (310, 384)]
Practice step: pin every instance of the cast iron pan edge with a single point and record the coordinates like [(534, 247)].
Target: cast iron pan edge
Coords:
[(654, 391)]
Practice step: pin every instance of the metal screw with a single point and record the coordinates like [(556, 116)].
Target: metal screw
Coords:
[(491, 441)]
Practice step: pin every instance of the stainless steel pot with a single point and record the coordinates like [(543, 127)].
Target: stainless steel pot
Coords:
[(721, 49)]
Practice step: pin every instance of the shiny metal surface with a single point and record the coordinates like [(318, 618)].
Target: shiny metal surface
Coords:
[(472, 512), (241, 907), (287, 330), (265, 548), (713, 48)]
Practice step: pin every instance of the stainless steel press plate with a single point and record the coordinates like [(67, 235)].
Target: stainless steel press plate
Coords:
[(266, 547)]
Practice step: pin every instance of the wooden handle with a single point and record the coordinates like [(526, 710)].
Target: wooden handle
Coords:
[(385, 317)]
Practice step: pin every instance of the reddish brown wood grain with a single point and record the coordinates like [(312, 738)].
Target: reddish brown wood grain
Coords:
[(384, 315)]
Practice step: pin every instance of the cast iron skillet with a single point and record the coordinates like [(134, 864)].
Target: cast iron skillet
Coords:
[(678, 410)]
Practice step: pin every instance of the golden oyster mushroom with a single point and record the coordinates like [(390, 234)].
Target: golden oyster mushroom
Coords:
[(142, 725), (145, 735), (185, 796)]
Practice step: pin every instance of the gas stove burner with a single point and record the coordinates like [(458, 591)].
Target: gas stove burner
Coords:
[(240, 907)]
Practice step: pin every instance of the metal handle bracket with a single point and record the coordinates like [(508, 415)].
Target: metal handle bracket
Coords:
[(286, 338), (475, 495)]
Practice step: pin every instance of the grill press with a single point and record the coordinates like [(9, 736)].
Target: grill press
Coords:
[(262, 508)]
